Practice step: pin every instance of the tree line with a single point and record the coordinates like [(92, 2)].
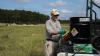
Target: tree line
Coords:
[(22, 17)]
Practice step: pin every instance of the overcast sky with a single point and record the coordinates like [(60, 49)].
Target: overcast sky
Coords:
[(67, 8)]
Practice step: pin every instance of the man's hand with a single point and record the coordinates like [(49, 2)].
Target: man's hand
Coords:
[(62, 31)]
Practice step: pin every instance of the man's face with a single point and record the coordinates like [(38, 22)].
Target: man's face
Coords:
[(55, 17)]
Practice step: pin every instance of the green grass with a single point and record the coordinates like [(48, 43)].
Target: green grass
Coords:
[(22, 40)]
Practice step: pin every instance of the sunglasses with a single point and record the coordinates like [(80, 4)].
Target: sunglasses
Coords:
[(56, 15)]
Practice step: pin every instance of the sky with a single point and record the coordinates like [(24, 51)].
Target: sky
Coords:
[(67, 8)]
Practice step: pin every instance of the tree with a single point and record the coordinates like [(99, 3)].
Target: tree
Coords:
[(22, 17)]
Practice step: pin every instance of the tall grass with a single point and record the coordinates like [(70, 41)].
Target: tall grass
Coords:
[(22, 40)]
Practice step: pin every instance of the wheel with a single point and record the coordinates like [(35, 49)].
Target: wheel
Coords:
[(96, 43)]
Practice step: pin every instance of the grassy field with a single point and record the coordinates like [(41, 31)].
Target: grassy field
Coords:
[(22, 40)]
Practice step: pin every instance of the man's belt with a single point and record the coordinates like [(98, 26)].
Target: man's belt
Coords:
[(51, 40)]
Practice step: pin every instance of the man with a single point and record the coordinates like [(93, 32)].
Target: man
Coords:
[(53, 33)]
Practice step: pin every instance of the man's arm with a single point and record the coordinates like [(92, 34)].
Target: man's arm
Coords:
[(50, 29)]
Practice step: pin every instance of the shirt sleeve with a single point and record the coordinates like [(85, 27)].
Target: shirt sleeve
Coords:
[(59, 25), (49, 27)]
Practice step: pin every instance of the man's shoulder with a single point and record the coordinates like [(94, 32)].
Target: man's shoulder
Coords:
[(58, 21), (48, 21)]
